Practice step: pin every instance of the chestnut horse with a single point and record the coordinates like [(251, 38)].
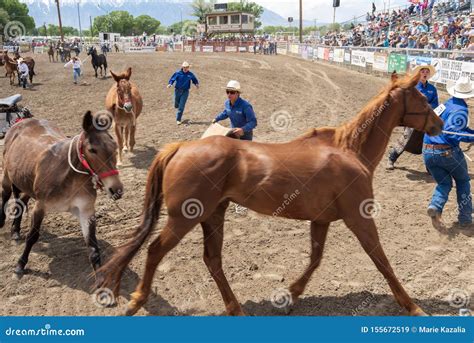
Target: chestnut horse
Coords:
[(11, 67), (330, 171), (125, 103), (61, 174)]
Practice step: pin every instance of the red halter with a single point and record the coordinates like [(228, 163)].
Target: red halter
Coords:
[(96, 178)]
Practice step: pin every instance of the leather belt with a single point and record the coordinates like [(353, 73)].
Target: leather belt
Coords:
[(437, 146)]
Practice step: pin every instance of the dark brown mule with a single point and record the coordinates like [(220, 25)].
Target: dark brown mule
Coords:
[(327, 172), (61, 174), (125, 103), (11, 67), (51, 53)]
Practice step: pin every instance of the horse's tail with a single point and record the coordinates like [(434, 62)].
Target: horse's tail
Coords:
[(111, 273)]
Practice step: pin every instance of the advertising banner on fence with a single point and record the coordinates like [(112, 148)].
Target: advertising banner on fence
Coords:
[(207, 48), (230, 49), (219, 48), (282, 48), (304, 52), (188, 48), (369, 57), (380, 61), (414, 61), (451, 70), (398, 63), (331, 54), (347, 56), (358, 58), (243, 49), (321, 53), (294, 48), (338, 55)]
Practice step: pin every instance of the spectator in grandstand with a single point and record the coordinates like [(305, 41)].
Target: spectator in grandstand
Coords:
[(412, 140), (183, 79), (239, 111)]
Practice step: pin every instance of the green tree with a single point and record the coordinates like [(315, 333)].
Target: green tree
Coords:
[(201, 8), (15, 11), (145, 23), (248, 7), (116, 21)]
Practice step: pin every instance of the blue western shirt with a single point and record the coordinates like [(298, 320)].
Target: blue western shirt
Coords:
[(430, 92), (456, 118), (183, 80), (241, 115)]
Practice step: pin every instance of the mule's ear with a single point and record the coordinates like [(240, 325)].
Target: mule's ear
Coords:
[(128, 73), (394, 76), (115, 76), (88, 122)]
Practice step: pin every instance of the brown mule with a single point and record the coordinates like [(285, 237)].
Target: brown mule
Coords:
[(51, 52), (125, 103), (11, 67), (61, 174), (327, 172)]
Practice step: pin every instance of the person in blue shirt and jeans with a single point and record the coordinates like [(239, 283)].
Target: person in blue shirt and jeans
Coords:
[(239, 111), (183, 79), (412, 140), (444, 158)]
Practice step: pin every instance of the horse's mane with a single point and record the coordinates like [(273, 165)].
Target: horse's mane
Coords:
[(353, 134)]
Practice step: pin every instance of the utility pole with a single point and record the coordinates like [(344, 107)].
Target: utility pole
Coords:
[(79, 17), (60, 22), (334, 17), (90, 20), (301, 21)]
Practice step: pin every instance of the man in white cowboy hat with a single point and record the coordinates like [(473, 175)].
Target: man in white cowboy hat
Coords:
[(23, 72), (183, 79), (412, 140), (239, 111), (445, 160)]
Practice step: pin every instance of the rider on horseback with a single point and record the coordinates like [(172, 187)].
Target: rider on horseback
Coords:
[(23, 72)]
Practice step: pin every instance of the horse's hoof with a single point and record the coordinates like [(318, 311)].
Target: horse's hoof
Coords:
[(16, 237), (418, 312), (19, 272), (132, 308)]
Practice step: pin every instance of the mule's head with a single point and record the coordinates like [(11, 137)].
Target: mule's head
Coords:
[(100, 151), (124, 89), (417, 112), (91, 51)]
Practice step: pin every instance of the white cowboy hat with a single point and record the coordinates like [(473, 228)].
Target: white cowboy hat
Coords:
[(462, 88), (185, 65), (20, 60), (418, 68), (234, 86)]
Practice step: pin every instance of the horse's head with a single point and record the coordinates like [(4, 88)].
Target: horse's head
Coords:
[(124, 89), (100, 152), (417, 112), (91, 51)]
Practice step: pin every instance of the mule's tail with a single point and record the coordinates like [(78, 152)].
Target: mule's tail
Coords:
[(110, 274)]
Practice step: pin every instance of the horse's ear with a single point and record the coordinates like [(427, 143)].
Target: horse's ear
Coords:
[(88, 122), (394, 76), (128, 74), (115, 76)]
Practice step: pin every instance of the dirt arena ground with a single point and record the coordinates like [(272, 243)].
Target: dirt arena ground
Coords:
[(262, 255)]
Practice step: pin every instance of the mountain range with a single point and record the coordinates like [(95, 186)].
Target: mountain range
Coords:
[(166, 11)]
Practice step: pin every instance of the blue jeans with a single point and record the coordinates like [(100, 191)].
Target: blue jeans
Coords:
[(76, 73), (444, 166), (248, 136), (180, 98)]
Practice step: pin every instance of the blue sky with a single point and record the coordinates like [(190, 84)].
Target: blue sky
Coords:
[(322, 9)]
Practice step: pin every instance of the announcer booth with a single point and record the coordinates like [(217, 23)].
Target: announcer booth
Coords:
[(230, 22)]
